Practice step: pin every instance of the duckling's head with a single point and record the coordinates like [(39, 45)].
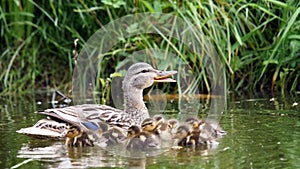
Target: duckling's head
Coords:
[(73, 132), (182, 131), (193, 121), (148, 124), (133, 131), (172, 125), (159, 119)]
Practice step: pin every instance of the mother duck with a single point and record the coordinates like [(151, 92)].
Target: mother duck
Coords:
[(88, 116)]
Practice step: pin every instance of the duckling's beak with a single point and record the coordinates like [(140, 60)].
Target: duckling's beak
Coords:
[(163, 76), (173, 131)]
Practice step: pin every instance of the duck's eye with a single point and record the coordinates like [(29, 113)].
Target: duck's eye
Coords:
[(144, 71)]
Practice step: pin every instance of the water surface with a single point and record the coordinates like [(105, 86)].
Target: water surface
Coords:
[(261, 134)]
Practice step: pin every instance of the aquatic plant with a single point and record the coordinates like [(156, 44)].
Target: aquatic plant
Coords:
[(258, 41)]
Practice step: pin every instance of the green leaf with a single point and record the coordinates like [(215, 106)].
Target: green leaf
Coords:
[(271, 61)]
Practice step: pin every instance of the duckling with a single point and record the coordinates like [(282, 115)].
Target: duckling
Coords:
[(173, 124), (76, 137), (181, 136), (133, 131), (165, 127), (113, 136), (107, 135), (218, 130), (159, 118), (141, 140), (211, 130), (72, 134), (149, 125), (193, 121), (102, 134), (203, 132), (158, 128), (95, 133), (194, 138)]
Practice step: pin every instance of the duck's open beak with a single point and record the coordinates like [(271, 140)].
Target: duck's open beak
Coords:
[(163, 76)]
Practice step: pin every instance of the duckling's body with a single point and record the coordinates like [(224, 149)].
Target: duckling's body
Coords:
[(165, 128), (197, 132), (72, 135), (76, 137), (113, 136), (173, 124), (149, 125), (211, 130), (194, 138), (141, 140), (181, 135)]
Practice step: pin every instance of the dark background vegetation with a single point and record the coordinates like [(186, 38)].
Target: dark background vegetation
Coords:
[(258, 41)]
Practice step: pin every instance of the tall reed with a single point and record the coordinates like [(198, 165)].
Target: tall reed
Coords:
[(258, 41)]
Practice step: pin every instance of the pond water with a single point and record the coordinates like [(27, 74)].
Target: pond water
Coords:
[(262, 133)]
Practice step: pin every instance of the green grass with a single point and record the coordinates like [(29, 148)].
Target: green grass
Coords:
[(258, 42)]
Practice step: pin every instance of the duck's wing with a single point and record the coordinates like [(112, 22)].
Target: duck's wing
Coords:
[(89, 115)]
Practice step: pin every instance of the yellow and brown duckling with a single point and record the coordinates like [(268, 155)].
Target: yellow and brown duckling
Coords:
[(107, 135), (141, 140), (159, 118), (149, 125), (172, 125), (194, 138), (189, 133), (76, 137), (198, 132), (72, 134), (165, 128), (102, 135), (113, 136), (182, 134)]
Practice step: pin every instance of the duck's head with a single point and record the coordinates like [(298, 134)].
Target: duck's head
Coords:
[(142, 75), (148, 124), (133, 131), (138, 77)]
